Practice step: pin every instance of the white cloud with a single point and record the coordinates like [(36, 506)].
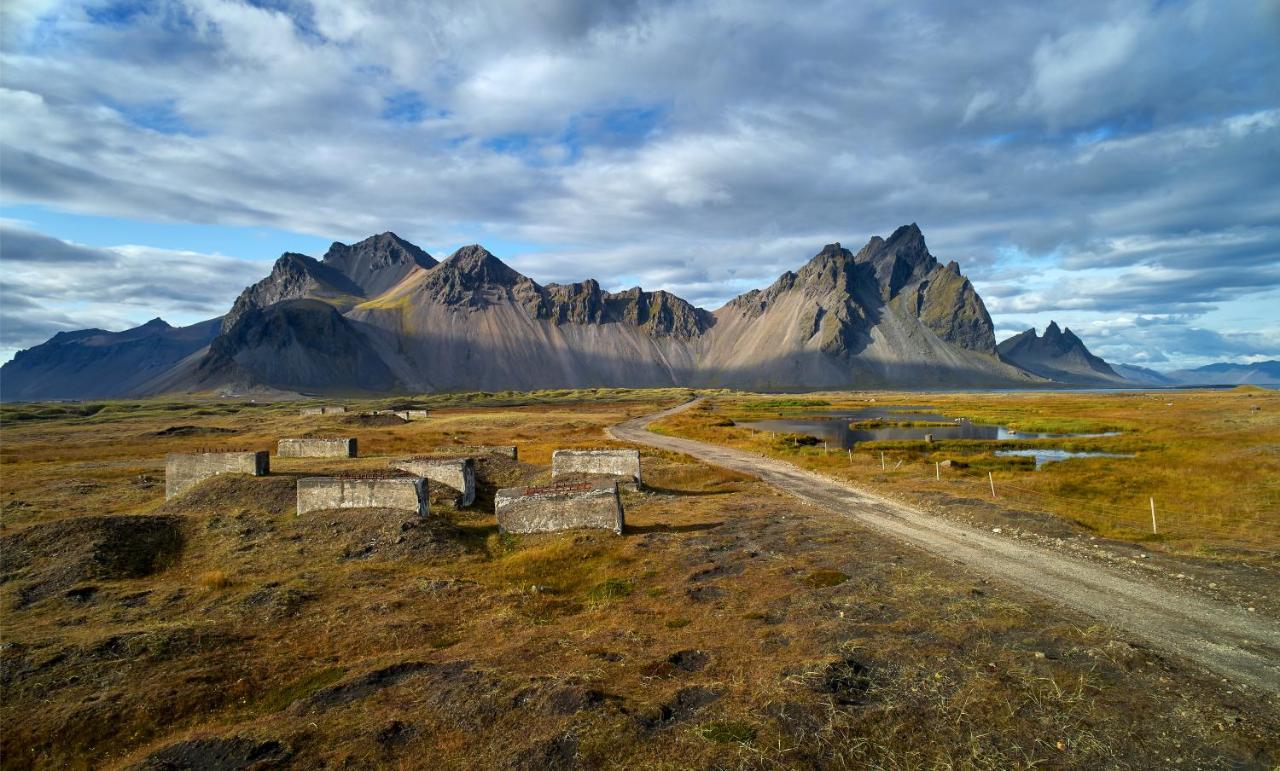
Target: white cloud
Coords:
[(731, 139)]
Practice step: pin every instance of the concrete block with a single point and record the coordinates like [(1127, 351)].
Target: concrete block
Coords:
[(184, 470), (324, 410), (473, 450), (458, 473), (559, 507), (401, 493), (317, 448), (619, 463), (404, 414)]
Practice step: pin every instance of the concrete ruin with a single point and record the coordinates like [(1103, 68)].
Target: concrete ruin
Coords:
[(404, 414), (558, 507), (185, 470), (624, 464), (344, 447), (458, 473), (324, 410), (403, 493), (472, 450)]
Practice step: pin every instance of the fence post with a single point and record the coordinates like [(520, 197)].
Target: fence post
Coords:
[(882, 460), (850, 455), (824, 448), (992, 480), (1153, 516), (937, 471)]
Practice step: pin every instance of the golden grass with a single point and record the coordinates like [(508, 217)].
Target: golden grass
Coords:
[(1208, 458)]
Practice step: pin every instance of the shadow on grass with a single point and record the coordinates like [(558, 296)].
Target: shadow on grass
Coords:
[(665, 528), (686, 493)]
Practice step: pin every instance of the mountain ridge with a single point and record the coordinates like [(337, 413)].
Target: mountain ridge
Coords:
[(1058, 355), (382, 315)]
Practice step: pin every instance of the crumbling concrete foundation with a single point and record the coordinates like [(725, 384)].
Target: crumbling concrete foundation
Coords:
[(559, 507), (458, 473), (185, 470), (400, 493), (624, 464), (324, 410), (404, 414), (317, 448)]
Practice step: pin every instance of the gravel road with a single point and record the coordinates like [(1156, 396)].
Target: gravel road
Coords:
[(1241, 646)]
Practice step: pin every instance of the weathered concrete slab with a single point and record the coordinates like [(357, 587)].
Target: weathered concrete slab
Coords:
[(344, 447), (473, 450), (624, 464), (559, 507), (404, 414), (403, 493), (458, 473), (184, 470), (323, 410)]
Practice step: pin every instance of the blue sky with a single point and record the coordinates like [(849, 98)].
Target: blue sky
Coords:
[(1116, 168)]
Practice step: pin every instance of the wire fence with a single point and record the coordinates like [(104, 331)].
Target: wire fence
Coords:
[(1134, 515)]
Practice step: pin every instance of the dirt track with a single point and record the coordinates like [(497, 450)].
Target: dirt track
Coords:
[(1239, 645)]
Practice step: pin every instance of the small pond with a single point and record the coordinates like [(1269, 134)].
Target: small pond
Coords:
[(1048, 455), (833, 428)]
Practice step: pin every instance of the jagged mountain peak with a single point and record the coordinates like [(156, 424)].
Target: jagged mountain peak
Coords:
[(901, 259), (378, 262), (1058, 354), (478, 263)]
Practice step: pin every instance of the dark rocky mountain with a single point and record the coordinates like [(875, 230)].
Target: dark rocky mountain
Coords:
[(346, 275), (1059, 355), (1224, 373), (888, 315), (383, 316), (377, 263), (95, 363), (295, 345)]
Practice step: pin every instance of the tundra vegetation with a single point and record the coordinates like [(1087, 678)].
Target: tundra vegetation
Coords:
[(1210, 459), (729, 626)]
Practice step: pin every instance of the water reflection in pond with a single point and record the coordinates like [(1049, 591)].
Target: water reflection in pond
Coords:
[(833, 427), (1047, 455)]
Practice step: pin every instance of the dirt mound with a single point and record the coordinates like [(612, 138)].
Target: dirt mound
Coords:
[(230, 492), (494, 472), (53, 556), (382, 534), (190, 431), (217, 754)]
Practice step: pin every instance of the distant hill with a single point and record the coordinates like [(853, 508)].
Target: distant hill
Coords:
[(1143, 375), (1058, 355), (1223, 373), (94, 363)]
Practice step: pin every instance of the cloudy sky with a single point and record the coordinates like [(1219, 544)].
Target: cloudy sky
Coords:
[(1115, 167)]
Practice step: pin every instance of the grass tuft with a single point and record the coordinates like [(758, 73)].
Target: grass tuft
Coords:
[(822, 579), (728, 732)]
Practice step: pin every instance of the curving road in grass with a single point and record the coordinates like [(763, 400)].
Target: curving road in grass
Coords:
[(1236, 644)]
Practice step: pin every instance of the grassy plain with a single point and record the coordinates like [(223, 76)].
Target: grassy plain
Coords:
[(729, 627), (1210, 459)]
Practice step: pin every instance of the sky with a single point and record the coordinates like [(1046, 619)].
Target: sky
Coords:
[(1114, 166)]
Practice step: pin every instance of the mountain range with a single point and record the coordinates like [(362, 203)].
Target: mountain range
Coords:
[(383, 316)]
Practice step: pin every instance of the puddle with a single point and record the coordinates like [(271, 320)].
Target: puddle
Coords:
[(833, 427), (1053, 456)]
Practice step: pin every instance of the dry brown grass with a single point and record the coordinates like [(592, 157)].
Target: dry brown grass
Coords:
[(717, 632)]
